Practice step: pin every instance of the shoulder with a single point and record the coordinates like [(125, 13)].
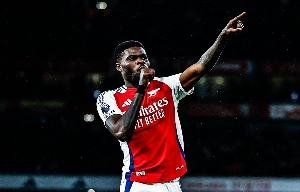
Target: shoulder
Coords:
[(169, 80), (106, 103), (174, 83), (110, 93), (171, 77)]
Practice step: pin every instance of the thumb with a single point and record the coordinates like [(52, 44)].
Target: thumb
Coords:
[(141, 77)]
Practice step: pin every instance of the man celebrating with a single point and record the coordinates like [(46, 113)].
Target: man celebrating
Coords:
[(142, 114)]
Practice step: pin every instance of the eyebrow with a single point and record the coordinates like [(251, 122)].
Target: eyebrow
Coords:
[(136, 55)]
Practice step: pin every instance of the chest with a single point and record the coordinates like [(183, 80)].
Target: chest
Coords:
[(157, 96)]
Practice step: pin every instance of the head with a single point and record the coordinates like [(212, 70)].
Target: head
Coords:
[(130, 57)]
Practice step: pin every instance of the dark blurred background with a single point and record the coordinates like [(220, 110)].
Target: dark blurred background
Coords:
[(242, 120)]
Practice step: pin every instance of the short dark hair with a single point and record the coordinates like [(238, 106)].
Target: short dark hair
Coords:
[(125, 45)]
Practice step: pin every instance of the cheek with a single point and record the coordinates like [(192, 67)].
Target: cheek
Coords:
[(147, 63), (126, 63), (133, 67), (129, 68)]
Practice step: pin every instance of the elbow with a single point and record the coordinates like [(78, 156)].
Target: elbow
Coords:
[(203, 68), (119, 130), (123, 135), (199, 68)]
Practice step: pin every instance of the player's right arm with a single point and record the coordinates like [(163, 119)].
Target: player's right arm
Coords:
[(122, 126)]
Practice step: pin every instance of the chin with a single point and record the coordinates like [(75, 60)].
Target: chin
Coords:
[(135, 80)]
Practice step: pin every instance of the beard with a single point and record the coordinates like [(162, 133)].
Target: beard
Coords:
[(131, 77)]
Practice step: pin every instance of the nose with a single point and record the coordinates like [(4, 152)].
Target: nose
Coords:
[(140, 61)]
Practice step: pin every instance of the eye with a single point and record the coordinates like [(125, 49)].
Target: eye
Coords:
[(132, 58), (144, 57)]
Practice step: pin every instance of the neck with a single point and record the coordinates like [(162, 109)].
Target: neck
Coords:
[(131, 85)]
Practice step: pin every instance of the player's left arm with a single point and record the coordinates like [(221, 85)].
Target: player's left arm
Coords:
[(193, 73)]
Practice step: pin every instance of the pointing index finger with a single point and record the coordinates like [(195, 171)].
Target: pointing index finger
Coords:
[(239, 16)]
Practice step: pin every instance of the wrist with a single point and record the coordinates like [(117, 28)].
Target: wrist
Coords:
[(224, 32), (223, 35), (141, 89)]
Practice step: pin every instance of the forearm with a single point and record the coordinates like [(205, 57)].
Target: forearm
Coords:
[(122, 126), (130, 116), (193, 73), (211, 56)]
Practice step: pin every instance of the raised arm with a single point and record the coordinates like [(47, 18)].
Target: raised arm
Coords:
[(193, 73)]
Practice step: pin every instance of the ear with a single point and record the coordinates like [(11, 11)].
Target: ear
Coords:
[(118, 67)]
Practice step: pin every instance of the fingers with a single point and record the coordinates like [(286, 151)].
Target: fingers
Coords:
[(237, 21), (146, 75), (240, 24), (141, 74), (235, 24), (235, 30), (239, 16), (149, 73), (142, 81)]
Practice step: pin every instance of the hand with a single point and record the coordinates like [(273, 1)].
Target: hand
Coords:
[(234, 25), (146, 75)]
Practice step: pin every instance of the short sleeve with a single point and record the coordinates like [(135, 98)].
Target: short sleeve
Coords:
[(107, 106), (179, 91), (174, 83)]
